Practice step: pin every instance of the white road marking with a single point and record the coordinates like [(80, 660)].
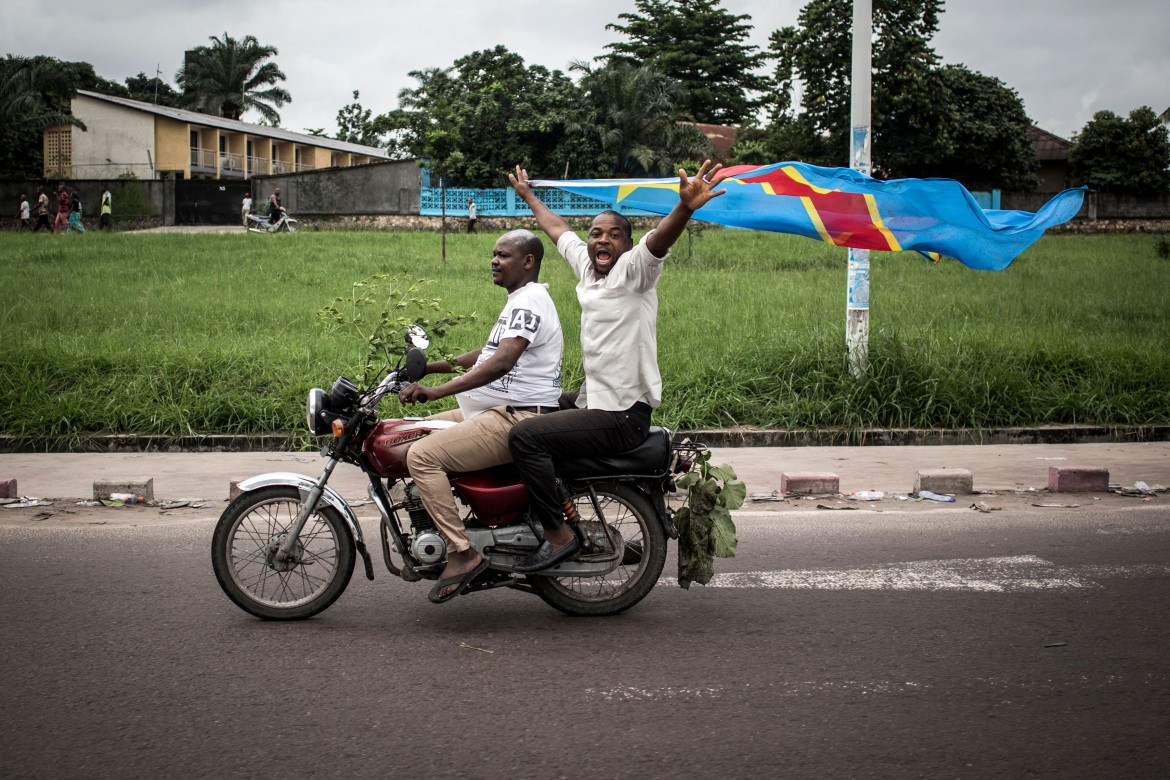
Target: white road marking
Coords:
[(807, 688), (1013, 574)]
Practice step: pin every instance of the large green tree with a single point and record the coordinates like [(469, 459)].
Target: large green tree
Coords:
[(911, 114), (1131, 155), (991, 143), (232, 76), (486, 113), (700, 45), (927, 120)]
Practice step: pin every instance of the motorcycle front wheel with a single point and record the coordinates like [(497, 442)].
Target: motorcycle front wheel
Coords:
[(629, 512), (243, 555)]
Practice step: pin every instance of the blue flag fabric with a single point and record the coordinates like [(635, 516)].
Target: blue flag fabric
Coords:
[(847, 208)]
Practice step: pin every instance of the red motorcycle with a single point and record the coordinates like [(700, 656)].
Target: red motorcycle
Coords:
[(285, 548)]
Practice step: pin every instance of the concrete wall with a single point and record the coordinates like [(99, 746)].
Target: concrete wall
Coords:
[(1097, 205), (133, 200), (375, 189), (118, 141)]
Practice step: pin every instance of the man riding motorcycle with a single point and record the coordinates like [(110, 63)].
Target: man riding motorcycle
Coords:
[(515, 376)]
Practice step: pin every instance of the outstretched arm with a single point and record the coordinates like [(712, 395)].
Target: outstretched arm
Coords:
[(553, 226), (693, 194)]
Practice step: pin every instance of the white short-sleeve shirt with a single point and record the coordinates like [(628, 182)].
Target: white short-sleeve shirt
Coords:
[(535, 380), (619, 325)]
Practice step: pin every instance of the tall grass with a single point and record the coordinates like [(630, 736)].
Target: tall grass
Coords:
[(198, 334)]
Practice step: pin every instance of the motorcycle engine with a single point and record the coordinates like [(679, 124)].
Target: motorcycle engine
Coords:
[(427, 545)]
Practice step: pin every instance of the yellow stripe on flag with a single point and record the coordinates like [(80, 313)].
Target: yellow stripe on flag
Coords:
[(811, 208), (625, 190), (795, 176), (874, 215)]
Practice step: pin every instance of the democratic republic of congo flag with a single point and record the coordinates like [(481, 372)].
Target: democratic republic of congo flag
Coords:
[(847, 208)]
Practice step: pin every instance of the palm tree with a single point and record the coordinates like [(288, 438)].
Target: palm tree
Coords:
[(632, 116), (24, 85), (230, 77)]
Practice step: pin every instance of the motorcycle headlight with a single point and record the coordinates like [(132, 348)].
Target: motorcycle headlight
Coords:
[(317, 420)]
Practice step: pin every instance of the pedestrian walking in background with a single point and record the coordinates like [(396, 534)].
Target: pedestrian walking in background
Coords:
[(73, 223), (106, 220), (42, 210), (471, 215), (246, 208), (62, 220), (24, 213)]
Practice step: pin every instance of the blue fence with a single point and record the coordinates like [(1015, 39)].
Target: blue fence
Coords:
[(987, 200), (503, 202)]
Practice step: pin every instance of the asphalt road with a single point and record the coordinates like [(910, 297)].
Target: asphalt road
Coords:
[(854, 644)]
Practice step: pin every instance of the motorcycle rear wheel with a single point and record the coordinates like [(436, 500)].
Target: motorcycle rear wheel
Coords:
[(243, 547), (630, 513)]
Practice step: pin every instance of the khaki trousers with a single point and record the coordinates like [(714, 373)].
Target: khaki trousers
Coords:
[(478, 443)]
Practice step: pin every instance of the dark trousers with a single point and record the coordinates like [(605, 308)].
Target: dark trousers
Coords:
[(538, 443)]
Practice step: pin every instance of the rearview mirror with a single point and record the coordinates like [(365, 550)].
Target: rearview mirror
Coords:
[(416, 365), (417, 337)]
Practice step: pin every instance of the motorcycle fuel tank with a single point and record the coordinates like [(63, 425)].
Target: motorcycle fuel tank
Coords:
[(388, 443)]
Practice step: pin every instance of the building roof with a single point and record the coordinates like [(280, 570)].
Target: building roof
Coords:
[(720, 136), (236, 126), (1047, 145)]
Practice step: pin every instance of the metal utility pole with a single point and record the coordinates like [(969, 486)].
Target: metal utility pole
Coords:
[(857, 288)]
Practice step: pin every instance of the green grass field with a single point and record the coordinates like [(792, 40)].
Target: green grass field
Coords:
[(180, 334)]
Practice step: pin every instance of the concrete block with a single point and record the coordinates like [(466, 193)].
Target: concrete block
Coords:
[(950, 481), (1078, 479), (142, 486), (8, 489), (234, 491), (810, 484)]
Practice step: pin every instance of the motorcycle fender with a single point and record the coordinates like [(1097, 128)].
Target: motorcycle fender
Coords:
[(304, 485)]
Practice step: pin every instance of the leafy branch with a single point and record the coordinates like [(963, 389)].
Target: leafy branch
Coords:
[(705, 527), (381, 308)]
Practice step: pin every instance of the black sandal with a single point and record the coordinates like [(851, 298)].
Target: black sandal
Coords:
[(462, 580)]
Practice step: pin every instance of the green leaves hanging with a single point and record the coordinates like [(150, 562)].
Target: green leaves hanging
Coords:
[(705, 527)]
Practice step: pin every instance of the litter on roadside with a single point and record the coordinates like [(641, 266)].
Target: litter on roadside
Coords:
[(1059, 506), (981, 506), (774, 495), (16, 503), (1139, 489), (193, 503), (930, 495), (866, 495)]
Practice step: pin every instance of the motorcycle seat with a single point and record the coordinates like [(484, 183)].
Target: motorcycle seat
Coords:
[(651, 458)]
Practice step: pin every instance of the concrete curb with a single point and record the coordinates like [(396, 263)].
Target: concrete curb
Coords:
[(285, 442)]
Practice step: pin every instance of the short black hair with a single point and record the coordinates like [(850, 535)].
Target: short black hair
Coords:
[(625, 223)]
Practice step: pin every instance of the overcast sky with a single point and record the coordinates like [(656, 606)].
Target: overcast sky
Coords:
[(1066, 58)]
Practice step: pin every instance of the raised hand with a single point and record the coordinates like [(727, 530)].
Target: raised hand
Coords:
[(695, 192), (519, 182)]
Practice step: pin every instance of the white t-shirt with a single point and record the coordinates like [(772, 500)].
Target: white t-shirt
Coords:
[(471, 210), (619, 325), (535, 380), (24, 209)]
